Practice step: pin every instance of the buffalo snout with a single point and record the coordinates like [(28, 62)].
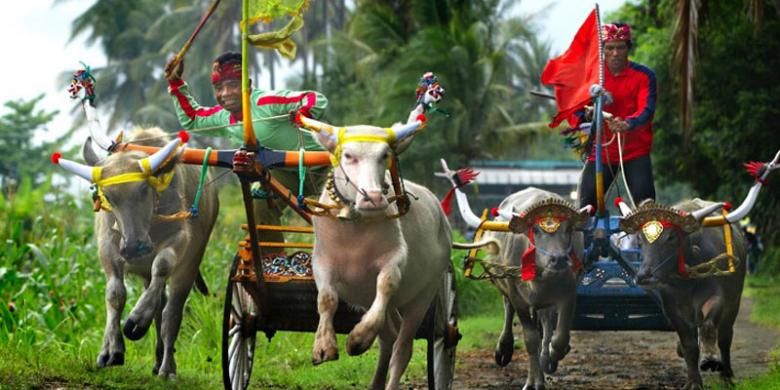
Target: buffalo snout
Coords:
[(372, 200), (559, 262), (645, 278), (133, 249)]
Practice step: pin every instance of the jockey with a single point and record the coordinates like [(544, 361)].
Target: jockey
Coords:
[(224, 120), (631, 101)]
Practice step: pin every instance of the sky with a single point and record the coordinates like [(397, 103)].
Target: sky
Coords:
[(38, 47)]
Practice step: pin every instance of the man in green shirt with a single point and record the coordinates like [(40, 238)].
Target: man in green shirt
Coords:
[(270, 112)]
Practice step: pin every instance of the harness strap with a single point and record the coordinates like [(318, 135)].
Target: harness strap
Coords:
[(203, 173)]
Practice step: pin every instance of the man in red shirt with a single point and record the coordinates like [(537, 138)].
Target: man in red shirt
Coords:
[(631, 102)]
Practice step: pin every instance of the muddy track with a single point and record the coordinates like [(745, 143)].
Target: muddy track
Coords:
[(618, 360)]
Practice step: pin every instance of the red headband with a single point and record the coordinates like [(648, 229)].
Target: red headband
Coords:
[(611, 32), (226, 71)]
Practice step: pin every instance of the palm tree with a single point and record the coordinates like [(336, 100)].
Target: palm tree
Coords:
[(485, 59), (685, 37)]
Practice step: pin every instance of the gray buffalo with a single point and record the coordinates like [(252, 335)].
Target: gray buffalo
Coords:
[(546, 249), (693, 260), (136, 192), (363, 254)]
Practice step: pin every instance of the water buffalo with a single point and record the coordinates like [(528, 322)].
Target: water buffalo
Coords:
[(546, 249), (134, 191), (696, 267), (363, 254)]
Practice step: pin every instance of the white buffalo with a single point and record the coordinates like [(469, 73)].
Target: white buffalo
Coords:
[(364, 255)]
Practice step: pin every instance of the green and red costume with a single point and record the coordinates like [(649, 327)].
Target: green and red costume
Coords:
[(277, 133)]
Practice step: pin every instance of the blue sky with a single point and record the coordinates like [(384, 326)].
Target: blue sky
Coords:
[(36, 42)]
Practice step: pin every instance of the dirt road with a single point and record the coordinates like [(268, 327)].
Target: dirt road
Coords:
[(618, 360)]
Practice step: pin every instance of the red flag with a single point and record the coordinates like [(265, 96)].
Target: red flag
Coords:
[(573, 72)]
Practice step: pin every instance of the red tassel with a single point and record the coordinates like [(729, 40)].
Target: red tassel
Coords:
[(55, 158), (528, 268), (681, 269), (576, 264), (446, 203), (184, 136), (528, 261)]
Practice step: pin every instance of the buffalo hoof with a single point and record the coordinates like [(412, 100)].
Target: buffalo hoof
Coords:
[(693, 386), (322, 355), (711, 364), (504, 354), (133, 331), (549, 366), (356, 347), (111, 359), (503, 359)]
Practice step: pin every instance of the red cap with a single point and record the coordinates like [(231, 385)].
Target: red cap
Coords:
[(619, 200), (422, 118), (727, 206), (611, 32), (55, 157)]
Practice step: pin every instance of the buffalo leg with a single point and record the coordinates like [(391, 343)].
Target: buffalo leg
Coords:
[(725, 337), (139, 320), (387, 337), (325, 348), (159, 347), (506, 342), (689, 340), (532, 337), (412, 316), (113, 350), (364, 333)]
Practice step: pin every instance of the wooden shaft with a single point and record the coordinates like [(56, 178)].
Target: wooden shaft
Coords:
[(274, 228)]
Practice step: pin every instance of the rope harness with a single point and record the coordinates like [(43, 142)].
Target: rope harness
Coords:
[(527, 270), (159, 183), (345, 207), (723, 264)]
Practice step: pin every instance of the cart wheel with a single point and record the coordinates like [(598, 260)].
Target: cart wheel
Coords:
[(238, 334), (444, 337)]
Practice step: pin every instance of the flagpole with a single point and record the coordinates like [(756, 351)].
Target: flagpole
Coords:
[(249, 132), (598, 118)]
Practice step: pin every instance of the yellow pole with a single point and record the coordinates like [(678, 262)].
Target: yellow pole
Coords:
[(250, 142)]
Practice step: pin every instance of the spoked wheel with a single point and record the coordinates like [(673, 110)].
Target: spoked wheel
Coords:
[(238, 334), (444, 335)]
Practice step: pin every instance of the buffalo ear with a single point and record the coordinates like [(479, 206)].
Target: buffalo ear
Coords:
[(88, 153), (492, 248)]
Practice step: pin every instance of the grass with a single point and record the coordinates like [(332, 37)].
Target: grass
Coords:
[(764, 290), (52, 312)]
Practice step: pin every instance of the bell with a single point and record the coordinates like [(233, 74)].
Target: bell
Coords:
[(346, 214)]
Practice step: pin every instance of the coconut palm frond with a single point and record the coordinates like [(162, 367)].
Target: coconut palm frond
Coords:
[(686, 31)]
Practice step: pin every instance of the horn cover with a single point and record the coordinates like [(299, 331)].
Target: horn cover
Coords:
[(634, 221), (548, 207)]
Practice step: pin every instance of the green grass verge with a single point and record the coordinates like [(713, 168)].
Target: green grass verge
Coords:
[(52, 312), (764, 291)]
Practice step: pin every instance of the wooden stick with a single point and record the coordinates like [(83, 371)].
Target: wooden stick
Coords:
[(187, 44)]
